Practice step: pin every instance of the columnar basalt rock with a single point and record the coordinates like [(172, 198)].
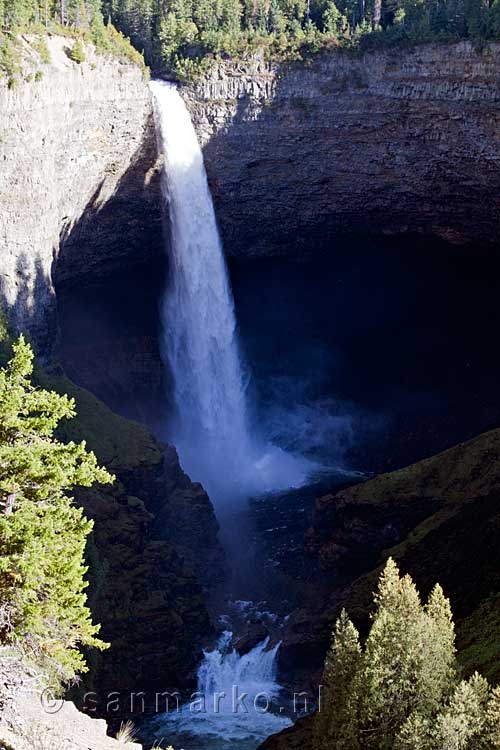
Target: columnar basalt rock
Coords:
[(78, 160), (396, 141)]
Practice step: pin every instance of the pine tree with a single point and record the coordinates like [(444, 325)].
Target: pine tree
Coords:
[(336, 725), (415, 734), (277, 20), (42, 534), (77, 52), (393, 656), (230, 17), (492, 719), (334, 22), (461, 726), (438, 666)]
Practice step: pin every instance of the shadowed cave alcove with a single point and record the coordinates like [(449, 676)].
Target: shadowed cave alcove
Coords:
[(108, 278), (374, 354), (397, 335), (363, 347), (109, 340)]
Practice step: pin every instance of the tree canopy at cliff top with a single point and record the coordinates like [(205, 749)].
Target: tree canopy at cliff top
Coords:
[(182, 36)]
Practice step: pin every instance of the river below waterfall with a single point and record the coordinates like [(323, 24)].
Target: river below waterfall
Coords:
[(237, 704), (239, 701)]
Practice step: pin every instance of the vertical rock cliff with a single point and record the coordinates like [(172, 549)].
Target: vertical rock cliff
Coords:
[(397, 141), (75, 146)]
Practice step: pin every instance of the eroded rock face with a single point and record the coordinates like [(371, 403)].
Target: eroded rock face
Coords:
[(148, 580), (78, 172), (396, 141)]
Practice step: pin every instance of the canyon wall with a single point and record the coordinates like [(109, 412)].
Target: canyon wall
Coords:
[(396, 141), (77, 181)]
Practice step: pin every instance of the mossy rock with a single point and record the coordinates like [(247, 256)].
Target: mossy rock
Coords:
[(117, 442), (479, 640)]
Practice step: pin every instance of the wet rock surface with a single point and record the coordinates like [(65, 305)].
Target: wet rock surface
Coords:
[(255, 634)]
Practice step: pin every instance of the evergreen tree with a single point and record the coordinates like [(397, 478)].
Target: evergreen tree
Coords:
[(461, 726), (336, 723), (334, 22), (277, 20), (438, 665), (393, 694), (230, 17), (393, 656), (415, 734), (42, 534), (492, 719), (77, 52)]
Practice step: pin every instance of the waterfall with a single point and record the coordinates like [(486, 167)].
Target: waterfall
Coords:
[(253, 672), (236, 702), (211, 427), (198, 316)]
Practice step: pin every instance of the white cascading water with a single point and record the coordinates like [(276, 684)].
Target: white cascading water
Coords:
[(211, 430), (237, 692)]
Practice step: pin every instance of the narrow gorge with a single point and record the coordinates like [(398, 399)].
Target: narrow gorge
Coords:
[(272, 292)]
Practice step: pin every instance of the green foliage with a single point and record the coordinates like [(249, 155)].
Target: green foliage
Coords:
[(42, 534), (77, 52), (335, 23), (5, 340), (461, 725), (108, 40), (183, 37), (42, 48), (81, 20), (402, 692), (9, 58), (337, 725), (493, 719)]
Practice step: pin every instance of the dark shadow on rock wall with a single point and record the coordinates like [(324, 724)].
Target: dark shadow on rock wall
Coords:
[(332, 170), (343, 153), (109, 276), (29, 303)]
